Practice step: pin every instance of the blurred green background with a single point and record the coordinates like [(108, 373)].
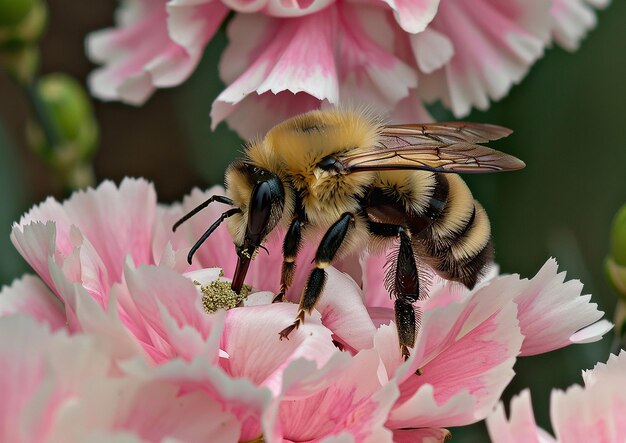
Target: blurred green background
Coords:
[(569, 117)]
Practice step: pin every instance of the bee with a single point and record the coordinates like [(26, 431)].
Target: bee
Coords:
[(365, 185)]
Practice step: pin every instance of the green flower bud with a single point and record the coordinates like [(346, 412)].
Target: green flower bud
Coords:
[(618, 237), (13, 12), (28, 30), (66, 133)]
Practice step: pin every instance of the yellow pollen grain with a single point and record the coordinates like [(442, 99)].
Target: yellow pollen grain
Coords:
[(218, 295)]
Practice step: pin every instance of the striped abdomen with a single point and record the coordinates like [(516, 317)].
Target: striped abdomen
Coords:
[(457, 243)]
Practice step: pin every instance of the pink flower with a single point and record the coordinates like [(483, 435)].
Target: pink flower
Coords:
[(593, 413), (572, 19), (67, 388), (288, 57), (115, 270)]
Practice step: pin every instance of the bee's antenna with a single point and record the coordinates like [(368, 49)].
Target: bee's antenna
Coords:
[(200, 207), (209, 231)]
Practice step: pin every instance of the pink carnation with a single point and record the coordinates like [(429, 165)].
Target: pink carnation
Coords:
[(593, 413), (115, 271), (285, 58)]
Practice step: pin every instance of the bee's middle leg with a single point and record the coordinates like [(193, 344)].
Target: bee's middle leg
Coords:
[(326, 252), (404, 283), (291, 246)]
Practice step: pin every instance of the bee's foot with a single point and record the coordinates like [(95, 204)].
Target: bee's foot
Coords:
[(279, 297), (405, 352), (419, 371), (288, 330)]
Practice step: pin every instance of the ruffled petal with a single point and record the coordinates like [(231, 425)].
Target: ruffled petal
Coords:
[(90, 234), (340, 55), (167, 308), (251, 340), (521, 426), (192, 23), (354, 403), (295, 55), (466, 353), (343, 312), (573, 19), (552, 310), (595, 412), (29, 296), (139, 56), (413, 15), (494, 41)]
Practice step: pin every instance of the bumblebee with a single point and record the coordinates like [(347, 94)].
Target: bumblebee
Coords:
[(365, 185)]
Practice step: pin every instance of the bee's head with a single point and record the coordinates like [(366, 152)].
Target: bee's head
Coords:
[(260, 194)]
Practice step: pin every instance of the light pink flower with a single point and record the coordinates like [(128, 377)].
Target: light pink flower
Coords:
[(110, 257), (67, 388), (140, 55), (593, 413), (572, 19), (288, 57)]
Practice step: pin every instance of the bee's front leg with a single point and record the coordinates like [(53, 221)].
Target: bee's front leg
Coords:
[(326, 252)]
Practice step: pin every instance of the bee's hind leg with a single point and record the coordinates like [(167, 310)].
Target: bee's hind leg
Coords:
[(291, 246), (403, 282), (326, 252)]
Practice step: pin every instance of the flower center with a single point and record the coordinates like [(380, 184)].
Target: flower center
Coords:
[(218, 295)]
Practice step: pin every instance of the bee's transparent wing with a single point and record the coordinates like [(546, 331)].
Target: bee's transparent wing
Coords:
[(441, 147)]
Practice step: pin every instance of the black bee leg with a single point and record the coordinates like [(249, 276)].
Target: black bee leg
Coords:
[(291, 246), (200, 207), (326, 251), (402, 282)]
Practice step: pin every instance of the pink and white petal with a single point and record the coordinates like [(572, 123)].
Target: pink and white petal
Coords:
[(551, 311), (29, 296), (90, 234), (294, 8), (151, 410), (256, 114), (171, 312), (295, 55), (239, 397), (251, 340), (344, 313), (35, 383), (424, 435), (374, 281), (139, 56), (573, 19), (192, 23), (432, 50), (495, 43), (615, 365), (85, 315), (466, 352), (521, 426), (369, 71), (354, 402), (411, 110), (595, 412), (36, 242), (117, 221), (413, 15)]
